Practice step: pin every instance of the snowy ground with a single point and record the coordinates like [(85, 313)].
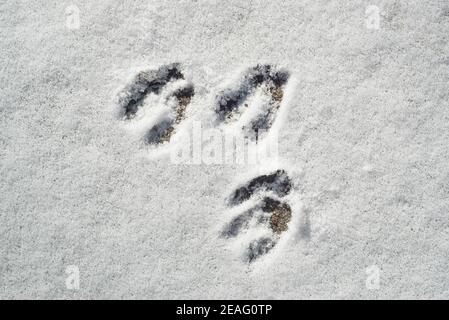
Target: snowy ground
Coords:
[(363, 134)]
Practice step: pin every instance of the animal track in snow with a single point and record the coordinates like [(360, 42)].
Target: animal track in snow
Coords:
[(163, 131), (153, 82), (270, 212), (230, 103)]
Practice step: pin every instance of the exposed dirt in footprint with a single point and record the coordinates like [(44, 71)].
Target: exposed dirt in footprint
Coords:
[(270, 212), (281, 214)]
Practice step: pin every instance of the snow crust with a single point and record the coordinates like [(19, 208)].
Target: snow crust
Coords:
[(363, 133)]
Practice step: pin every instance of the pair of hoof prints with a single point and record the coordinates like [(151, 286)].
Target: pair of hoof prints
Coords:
[(271, 212), (230, 103)]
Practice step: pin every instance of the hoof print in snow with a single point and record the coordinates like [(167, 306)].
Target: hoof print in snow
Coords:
[(231, 102), (271, 213), (163, 130), (153, 82)]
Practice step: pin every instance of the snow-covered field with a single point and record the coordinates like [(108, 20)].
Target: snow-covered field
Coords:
[(354, 94)]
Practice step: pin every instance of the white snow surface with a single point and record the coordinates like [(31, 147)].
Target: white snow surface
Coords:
[(363, 133)]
